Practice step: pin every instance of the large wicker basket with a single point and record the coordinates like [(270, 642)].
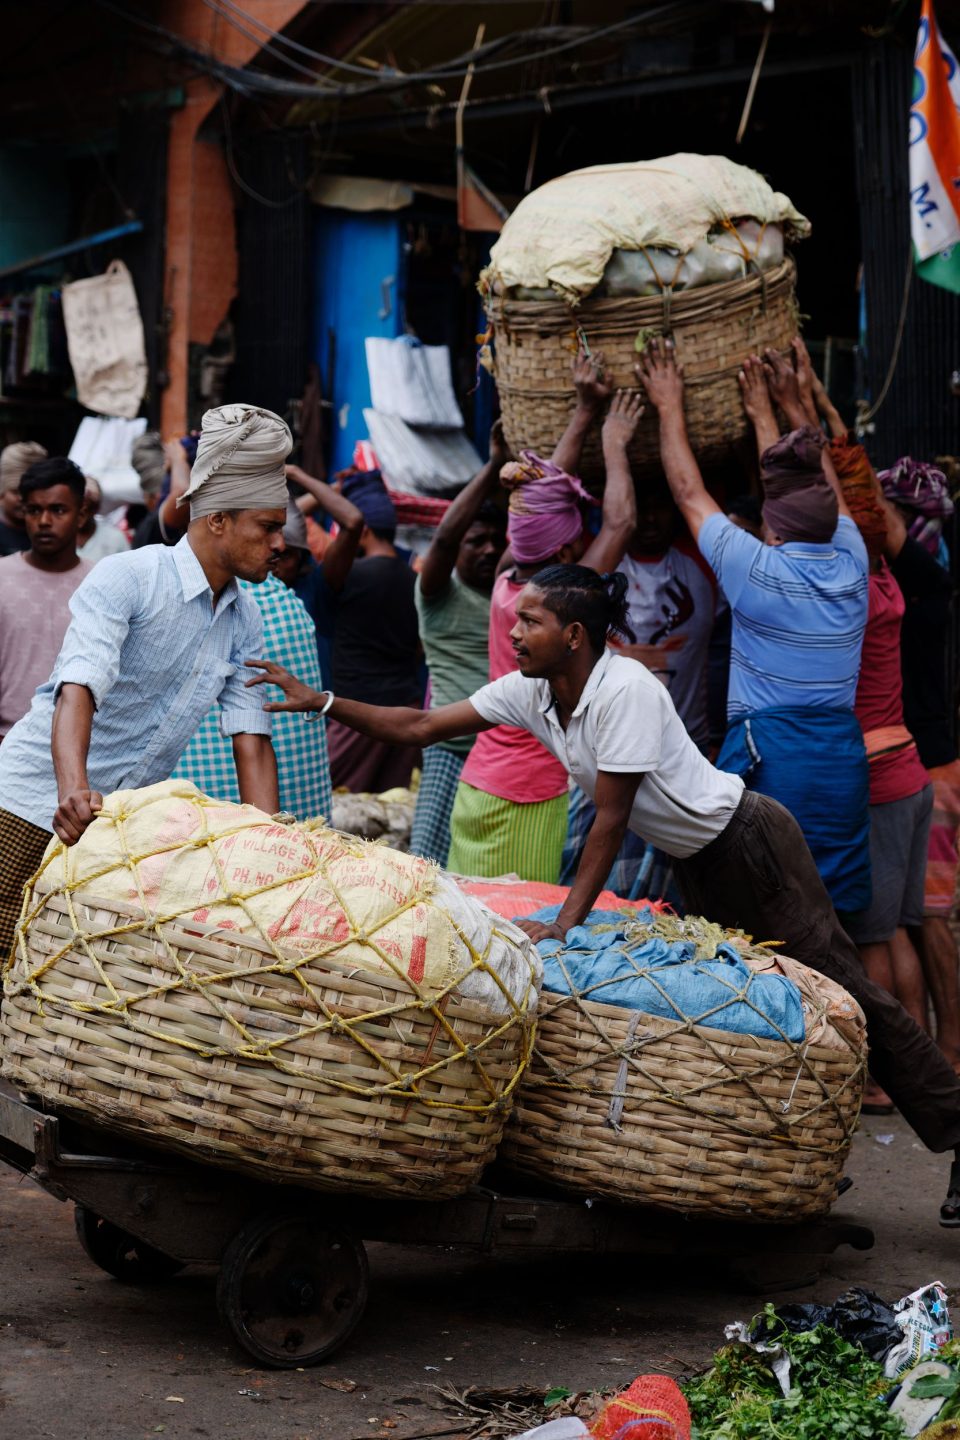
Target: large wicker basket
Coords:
[(714, 327), (632, 1107), (198, 1039)]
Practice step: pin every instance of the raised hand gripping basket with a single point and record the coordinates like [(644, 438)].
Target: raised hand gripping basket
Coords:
[(628, 1106), (335, 1069), (714, 327)]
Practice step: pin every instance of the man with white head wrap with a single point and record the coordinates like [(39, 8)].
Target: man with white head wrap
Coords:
[(158, 636)]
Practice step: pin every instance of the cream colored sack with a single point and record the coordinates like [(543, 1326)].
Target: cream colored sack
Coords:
[(170, 851), (105, 342), (563, 234)]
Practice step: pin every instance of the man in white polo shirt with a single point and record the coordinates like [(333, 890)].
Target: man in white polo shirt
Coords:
[(741, 858)]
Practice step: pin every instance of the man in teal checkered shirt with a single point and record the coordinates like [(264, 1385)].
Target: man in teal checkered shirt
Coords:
[(289, 637)]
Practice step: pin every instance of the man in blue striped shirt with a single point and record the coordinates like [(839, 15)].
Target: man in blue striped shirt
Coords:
[(158, 636), (799, 604)]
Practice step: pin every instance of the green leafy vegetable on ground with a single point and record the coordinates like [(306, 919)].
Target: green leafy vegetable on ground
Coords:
[(556, 1395), (835, 1392)]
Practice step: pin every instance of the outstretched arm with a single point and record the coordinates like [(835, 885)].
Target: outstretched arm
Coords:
[(342, 550), (614, 797), (785, 391), (592, 393), (394, 724), (441, 557), (619, 513), (662, 378)]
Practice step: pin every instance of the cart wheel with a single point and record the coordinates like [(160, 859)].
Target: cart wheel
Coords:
[(122, 1255), (292, 1290)]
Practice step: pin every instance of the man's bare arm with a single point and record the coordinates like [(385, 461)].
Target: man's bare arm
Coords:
[(813, 392), (810, 382), (394, 724), (662, 379), (342, 550), (70, 745), (173, 516), (440, 559), (619, 512), (785, 391), (256, 764), (613, 798), (757, 404), (592, 394)]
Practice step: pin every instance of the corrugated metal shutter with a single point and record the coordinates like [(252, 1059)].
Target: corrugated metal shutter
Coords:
[(920, 415)]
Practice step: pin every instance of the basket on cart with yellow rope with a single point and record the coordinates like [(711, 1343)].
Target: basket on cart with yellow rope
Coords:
[(690, 246), (683, 1113), (293, 1003)]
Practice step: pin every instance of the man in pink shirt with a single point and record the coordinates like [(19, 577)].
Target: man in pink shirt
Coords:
[(36, 584)]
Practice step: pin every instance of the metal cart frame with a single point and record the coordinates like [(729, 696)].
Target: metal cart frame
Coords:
[(293, 1278)]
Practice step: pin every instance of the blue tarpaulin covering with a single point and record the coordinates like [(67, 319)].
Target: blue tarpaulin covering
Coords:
[(598, 962)]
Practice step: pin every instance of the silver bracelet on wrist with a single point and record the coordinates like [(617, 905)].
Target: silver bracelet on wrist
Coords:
[(318, 714)]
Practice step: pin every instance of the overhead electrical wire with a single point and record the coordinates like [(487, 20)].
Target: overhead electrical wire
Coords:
[(456, 68), (263, 45), (248, 80), (291, 44), (229, 152)]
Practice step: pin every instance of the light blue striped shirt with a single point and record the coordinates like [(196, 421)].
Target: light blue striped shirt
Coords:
[(799, 613), (147, 643)]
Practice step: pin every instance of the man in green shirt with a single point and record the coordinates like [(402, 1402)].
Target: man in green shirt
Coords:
[(453, 606)]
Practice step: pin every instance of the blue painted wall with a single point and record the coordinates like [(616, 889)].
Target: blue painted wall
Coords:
[(354, 258)]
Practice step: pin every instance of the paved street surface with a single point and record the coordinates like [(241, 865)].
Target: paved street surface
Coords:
[(83, 1356)]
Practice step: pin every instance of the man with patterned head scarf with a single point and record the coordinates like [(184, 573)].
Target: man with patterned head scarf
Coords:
[(158, 636)]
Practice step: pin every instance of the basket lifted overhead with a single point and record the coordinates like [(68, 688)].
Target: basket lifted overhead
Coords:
[(714, 328), (690, 246), (633, 1107)]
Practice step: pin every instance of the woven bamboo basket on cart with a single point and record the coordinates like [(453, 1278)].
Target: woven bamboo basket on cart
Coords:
[(632, 1107), (307, 1069), (713, 326)]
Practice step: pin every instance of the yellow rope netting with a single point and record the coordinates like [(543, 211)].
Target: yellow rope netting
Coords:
[(671, 1112), (833, 1022), (180, 947)]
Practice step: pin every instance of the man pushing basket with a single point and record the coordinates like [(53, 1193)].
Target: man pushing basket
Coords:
[(158, 635), (740, 857)]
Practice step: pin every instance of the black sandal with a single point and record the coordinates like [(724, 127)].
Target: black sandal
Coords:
[(950, 1209)]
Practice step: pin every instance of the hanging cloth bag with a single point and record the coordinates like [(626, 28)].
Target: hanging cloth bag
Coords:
[(105, 342)]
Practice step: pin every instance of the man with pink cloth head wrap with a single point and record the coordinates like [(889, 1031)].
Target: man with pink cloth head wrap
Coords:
[(545, 510), (510, 810)]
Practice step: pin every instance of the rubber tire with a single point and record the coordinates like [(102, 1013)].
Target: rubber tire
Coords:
[(120, 1254), (334, 1278)]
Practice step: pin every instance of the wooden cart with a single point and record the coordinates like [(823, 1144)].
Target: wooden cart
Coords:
[(293, 1276)]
